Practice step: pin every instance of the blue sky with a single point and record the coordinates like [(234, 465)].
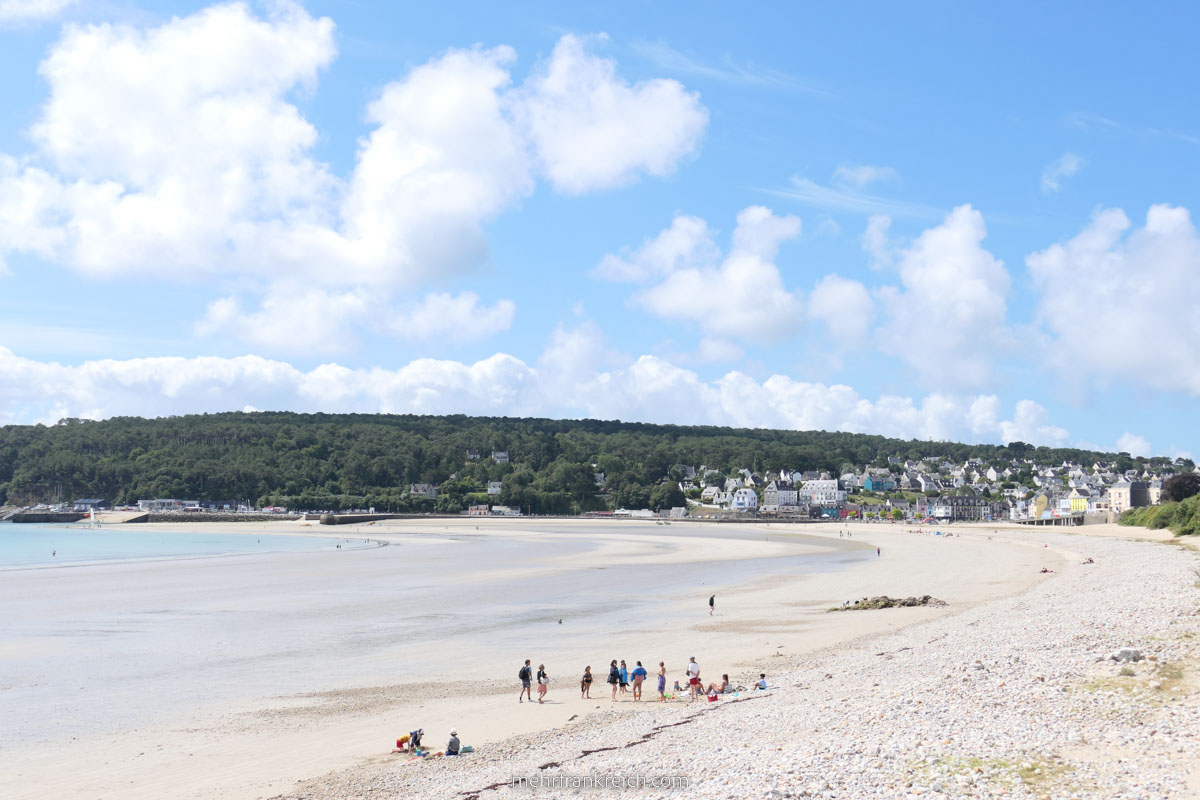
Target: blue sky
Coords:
[(926, 220)]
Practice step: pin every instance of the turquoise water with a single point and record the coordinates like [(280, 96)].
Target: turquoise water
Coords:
[(33, 545)]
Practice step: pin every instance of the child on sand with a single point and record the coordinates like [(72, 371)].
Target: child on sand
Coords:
[(623, 674), (543, 681)]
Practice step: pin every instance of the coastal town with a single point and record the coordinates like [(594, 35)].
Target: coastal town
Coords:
[(928, 490)]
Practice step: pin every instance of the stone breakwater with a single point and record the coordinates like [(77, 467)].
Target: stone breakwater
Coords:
[(217, 516), (1019, 697)]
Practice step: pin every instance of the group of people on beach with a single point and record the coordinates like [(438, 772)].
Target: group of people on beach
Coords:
[(622, 681)]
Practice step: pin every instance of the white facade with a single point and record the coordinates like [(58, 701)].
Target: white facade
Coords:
[(823, 493), (744, 500)]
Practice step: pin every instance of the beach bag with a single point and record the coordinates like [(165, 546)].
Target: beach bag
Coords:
[(713, 697)]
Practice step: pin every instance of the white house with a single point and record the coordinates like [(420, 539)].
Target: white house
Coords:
[(500, 456), (494, 487), (744, 500)]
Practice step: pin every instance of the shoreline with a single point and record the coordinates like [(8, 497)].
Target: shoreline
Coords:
[(1015, 697), (351, 724)]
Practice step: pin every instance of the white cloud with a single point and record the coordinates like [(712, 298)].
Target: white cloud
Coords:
[(290, 319), (1133, 444), (863, 174), (1119, 305), (1066, 166), (576, 376), (686, 244), (589, 127), (293, 319), (875, 241), (846, 308), (1030, 423), (176, 152), (949, 316), (743, 297), (459, 318), (15, 11)]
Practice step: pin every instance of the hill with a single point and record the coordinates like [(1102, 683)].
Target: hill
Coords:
[(354, 460)]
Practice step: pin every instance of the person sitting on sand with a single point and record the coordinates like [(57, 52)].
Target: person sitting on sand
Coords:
[(762, 681), (722, 687), (585, 684), (453, 746), (1044, 570)]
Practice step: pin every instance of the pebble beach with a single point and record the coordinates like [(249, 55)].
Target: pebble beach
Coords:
[(1015, 697)]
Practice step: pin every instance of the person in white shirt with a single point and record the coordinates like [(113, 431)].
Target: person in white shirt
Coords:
[(693, 679)]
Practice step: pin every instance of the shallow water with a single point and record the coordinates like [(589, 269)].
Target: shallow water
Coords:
[(154, 637), (34, 544)]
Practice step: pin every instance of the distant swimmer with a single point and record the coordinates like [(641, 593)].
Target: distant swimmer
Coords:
[(712, 603), (53, 552)]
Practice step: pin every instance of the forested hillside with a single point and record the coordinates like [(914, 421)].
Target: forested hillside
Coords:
[(355, 460)]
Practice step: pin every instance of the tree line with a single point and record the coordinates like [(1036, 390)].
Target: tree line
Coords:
[(338, 461)]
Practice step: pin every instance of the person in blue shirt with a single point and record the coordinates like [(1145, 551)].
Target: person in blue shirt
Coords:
[(639, 675), (762, 681), (623, 674)]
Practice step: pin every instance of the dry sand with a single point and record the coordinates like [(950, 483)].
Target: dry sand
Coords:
[(288, 716)]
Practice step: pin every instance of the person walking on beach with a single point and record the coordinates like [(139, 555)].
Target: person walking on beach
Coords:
[(526, 676), (614, 678), (693, 672), (639, 675), (878, 552), (543, 681), (585, 684), (712, 603), (662, 682), (623, 674)]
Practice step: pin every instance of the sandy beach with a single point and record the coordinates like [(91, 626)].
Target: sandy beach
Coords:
[(266, 675)]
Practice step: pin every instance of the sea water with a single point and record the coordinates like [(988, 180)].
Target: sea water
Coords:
[(57, 544)]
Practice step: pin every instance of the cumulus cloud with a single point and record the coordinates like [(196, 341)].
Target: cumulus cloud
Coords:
[(1064, 167), (290, 319), (576, 376), (588, 126), (1030, 423), (177, 151), (1119, 304), (686, 244), (863, 174), (845, 307), (742, 297), (948, 317), (16, 11), (1133, 444)]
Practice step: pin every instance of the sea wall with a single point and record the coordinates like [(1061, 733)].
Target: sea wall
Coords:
[(167, 516), (48, 516)]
